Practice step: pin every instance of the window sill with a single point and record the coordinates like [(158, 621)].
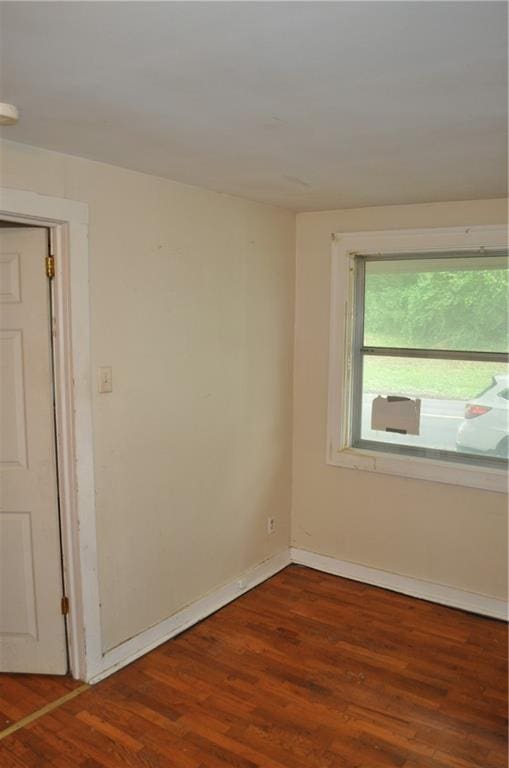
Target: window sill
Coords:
[(485, 478)]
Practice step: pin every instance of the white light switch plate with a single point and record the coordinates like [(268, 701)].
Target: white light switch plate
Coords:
[(105, 379)]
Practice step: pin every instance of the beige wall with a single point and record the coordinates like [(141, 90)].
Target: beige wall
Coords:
[(442, 533), (192, 299)]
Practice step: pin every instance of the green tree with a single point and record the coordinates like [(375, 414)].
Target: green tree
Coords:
[(463, 309)]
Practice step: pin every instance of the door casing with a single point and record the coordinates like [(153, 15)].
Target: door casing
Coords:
[(67, 222)]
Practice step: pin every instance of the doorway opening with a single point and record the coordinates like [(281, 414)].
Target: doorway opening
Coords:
[(65, 227)]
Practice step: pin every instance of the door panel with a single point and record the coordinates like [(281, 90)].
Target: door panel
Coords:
[(17, 617), (32, 630), (12, 401)]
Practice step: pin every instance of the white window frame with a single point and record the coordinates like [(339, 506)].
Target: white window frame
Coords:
[(345, 248)]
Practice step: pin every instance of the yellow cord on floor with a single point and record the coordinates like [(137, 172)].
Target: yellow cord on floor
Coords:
[(43, 711)]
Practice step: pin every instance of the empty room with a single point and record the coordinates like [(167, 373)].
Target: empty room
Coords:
[(254, 384)]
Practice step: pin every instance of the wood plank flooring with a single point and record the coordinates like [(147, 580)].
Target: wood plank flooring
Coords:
[(305, 671), (21, 695)]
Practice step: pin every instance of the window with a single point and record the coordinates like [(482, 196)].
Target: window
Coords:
[(419, 354), (433, 328)]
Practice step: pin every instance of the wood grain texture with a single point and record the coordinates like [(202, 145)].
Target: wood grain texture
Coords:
[(21, 695), (307, 670)]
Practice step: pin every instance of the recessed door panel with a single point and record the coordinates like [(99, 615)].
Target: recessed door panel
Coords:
[(17, 617), (9, 278), (12, 400)]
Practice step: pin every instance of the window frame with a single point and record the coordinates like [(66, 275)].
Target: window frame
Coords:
[(346, 335)]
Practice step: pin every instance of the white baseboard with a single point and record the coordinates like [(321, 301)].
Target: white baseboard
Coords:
[(137, 646), (146, 641), (425, 590)]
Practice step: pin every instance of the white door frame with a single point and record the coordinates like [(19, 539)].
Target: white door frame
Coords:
[(67, 222)]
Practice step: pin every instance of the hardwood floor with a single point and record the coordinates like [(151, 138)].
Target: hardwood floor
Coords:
[(21, 695), (305, 671)]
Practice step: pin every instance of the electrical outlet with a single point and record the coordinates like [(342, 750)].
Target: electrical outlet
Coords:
[(271, 526)]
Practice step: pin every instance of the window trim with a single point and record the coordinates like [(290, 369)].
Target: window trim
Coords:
[(345, 332)]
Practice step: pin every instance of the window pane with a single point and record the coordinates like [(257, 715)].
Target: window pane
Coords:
[(445, 303), (461, 408)]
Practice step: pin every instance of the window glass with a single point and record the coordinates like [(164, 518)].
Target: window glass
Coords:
[(445, 319), (437, 303), (454, 416)]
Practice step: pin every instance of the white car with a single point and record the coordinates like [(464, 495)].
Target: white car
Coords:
[(485, 428)]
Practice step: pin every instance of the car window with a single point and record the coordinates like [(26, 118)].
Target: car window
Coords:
[(504, 393)]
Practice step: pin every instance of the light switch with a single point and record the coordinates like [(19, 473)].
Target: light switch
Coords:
[(105, 380)]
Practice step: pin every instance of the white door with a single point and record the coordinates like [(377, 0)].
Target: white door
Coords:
[(32, 629)]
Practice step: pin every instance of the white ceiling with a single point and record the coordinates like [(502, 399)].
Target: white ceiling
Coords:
[(306, 105)]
